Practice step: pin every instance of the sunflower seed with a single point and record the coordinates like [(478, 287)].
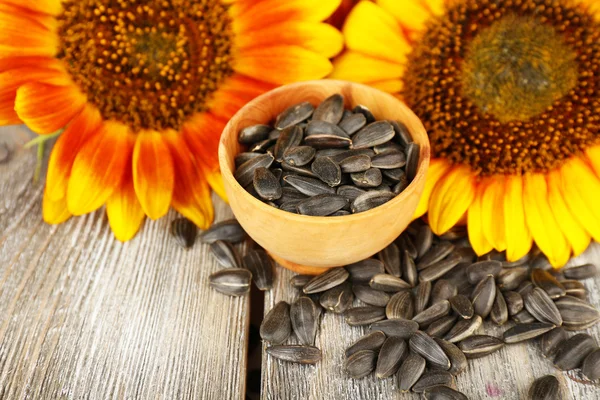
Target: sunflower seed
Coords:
[(315, 127), (331, 153), (424, 240), (322, 204), (545, 280), (337, 299), (368, 179), (389, 160), (303, 171), (304, 316), (402, 328), (245, 173), (289, 137), (388, 147), (499, 313), (294, 115), (458, 276), (441, 392), (327, 171), (343, 154), (254, 133), (574, 288), (262, 146), (422, 344), (525, 288), (457, 358), (581, 272), (576, 313), (477, 346), (551, 340), (541, 306), (571, 353), (402, 133), (441, 327), (322, 141), (484, 295), (243, 157), (511, 278), (591, 365), (370, 200), (225, 254), (400, 306), (412, 160), (353, 123), (363, 271), (388, 283), (463, 329), (408, 269), (184, 231), (364, 315), (326, 280), (442, 290), (440, 268), (434, 378), (357, 163), (261, 266), (266, 184), (276, 326), (274, 134), (296, 353), (360, 364), (229, 231), (393, 351), (299, 155), (308, 186), (372, 135), (372, 341), (370, 296), (546, 388), (436, 311), (349, 192), (410, 371), (231, 281), (331, 109), (481, 269), (523, 317), (360, 109), (462, 306), (390, 257), (522, 332), (397, 176), (422, 294), (298, 281), (514, 302), (435, 254)]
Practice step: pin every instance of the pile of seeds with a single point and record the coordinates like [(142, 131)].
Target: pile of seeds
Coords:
[(326, 161)]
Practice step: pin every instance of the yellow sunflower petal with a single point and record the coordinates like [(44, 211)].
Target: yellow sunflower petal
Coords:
[(357, 67), (390, 86), (125, 214), (437, 169), (474, 224), (451, 198), (593, 155), (371, 30), (54, 211), (411, 14), (252, 14), (436, 7), (576, 235), (518, 238), (50, 7), (492, 206), (541, 222)]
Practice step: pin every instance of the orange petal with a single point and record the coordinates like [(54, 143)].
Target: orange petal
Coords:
[(492, 213), (54, 211), (125, 214), (318, 37), (389, 86), (437, 169), (475, 225), (252, 14), (518, 238), (99, 167), (23, 34), (234, 93), (63, 154), (50, 7), (357, 67), (541, 222), (282, 64), (153, 176), (436, 7), (576, 235), (451, 198), (47, 108), (191, 195), (411, 14), (371, 30), (593, 155)]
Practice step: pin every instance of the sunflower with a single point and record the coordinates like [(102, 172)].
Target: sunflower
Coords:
[(143, 89), (509, 92)]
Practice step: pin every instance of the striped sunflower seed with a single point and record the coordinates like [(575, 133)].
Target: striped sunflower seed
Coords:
[(276, 326), (266, 184), (422, 295), (372, 341), (322, 205), (245, 173), (337, 299), (363, 271), (462, 306), (390, 257), (525, 288), (225, 254), (405, 243), (511, 278), (388, 147), (439, 328), (357, 163), (480, 345), (571, 353), (389, 160), (370, 200), (393, 351), (402, 328), (184, 231), (463, 329), (370, 296), (254, 133), (499, 313), (373, 134), (522, 332), (410, 371), (316, 127), (262, 146), (261, 266), (581, 272), (349, 192), (523, 317), (330, 110), (402, 133), (434, 378), (368, 179), (457, 358), (229, 231), (400, 306), (442, 290), (360, 109), (546, 388), (484, 295), (396, 175), (541, 306), (364, 315), (591, 365), (296, 353), (299, 155), (422, 344), (322, 141), (327, 170), (443, 393), (412, 160), (353, 123), (231, 281), (305, 319), (289, 137), (303, 171), (243, 157), (436, 311), (440, 268), (298, 281), (551, 341), (514, 302), (408, 269), (544, 280), (388, 283), (476, 272), (308, 186), (577, 314), (574, 288), (435, 254), (325, 281), (424, 240), (294, 115)]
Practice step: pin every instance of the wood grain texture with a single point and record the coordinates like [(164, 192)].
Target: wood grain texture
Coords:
[(85, 316), (505, 375)]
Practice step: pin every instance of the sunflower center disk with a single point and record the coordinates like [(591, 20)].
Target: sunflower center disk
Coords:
[(150, 64), (508, 87)]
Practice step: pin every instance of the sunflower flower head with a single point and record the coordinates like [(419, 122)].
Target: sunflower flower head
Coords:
[(143, 89), (509, 93)]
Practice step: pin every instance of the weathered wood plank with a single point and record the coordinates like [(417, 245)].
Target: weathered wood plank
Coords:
[(505, 375), (85, 316)]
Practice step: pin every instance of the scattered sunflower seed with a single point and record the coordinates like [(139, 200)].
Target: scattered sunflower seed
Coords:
[(479, 270), (581, 272), (551, 340), (462, 306), (463, 329), (388, 283), (480, 345), (484, 295), (326, 280), (422, 344), (363, 271), (434, 378), (276, 326), (442, 392), (571, 353), (360, 364), (541, 306), (591, 365), (231, 281), (442, 290), (364, 315), (435, 254), (370, 296), (522, 332), (184, 231), (393, 351), (225, 254), (546, 388), (577, 314), (400, 305), (514, 302), (499, 313), (229, 231), (402, 328), (261, 266), (305, 319), (436, 311), (457, 358), (410, 371), (422, 294), (296, 353), (372, 341), (439, 328), (544, 280), (337, 299)]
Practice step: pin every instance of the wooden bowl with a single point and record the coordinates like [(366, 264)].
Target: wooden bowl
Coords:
[(309, 244)]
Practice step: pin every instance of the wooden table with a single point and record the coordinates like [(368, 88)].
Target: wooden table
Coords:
[(85, 316)]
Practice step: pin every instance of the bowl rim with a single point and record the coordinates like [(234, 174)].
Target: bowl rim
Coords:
[(227, 172)]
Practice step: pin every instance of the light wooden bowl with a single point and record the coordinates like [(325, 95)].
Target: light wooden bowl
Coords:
[(309, 244)]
